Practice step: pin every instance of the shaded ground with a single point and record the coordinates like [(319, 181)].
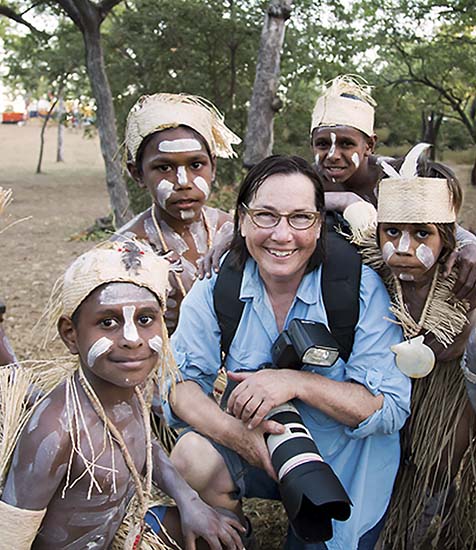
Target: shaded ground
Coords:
[(62, 202)]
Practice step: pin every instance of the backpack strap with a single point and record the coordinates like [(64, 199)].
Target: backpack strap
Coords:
[(341, 273), (227, 303)]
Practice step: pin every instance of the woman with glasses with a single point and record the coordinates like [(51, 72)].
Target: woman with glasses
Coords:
[(353, 409)]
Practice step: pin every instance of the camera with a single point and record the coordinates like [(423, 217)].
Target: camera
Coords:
[(310, 491)]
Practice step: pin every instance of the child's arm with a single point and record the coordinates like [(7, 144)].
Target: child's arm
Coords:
[(221, 244), (197, 518), (465, 258), (39, 464)]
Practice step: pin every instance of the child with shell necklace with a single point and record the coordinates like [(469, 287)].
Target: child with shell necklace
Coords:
[(172, 142), (416, 215)]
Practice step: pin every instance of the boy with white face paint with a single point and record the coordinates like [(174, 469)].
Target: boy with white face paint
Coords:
[(172, 143), (82, 470), (416, 232)]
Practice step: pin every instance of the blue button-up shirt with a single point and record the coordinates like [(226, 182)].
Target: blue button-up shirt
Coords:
[(365, 458)]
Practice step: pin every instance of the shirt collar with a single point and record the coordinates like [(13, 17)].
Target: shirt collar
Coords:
[(308, 290)]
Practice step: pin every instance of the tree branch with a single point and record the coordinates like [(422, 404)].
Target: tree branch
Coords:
[(11, 14), (106, 6)]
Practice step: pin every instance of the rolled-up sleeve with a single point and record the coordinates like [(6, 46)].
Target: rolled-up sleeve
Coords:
[(196, 341), (372, 363)]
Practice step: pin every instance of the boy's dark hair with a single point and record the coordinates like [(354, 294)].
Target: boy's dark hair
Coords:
[(145, 141), (276, 164)]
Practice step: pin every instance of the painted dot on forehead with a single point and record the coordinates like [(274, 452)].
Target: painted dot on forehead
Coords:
[(425, 255), (164, 190), (179, 146)]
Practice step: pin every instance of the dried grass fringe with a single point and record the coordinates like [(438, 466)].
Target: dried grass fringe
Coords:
[(438, 404)]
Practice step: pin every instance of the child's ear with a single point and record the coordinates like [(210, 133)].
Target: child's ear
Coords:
[(371, 143), (135, 175), (67, 332)]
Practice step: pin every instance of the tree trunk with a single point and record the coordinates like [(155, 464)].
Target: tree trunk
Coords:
[(60, 142), (473, 174), (42, 135), (431, 123), (264, 102), (106, 125)]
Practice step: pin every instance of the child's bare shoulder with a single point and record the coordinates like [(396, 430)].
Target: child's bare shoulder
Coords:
[(134, 227), (222, 216)]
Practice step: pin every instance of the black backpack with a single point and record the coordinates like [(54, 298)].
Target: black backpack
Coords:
[(341, 271)]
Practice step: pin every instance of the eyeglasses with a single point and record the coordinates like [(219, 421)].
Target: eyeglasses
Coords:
[(267, 219)]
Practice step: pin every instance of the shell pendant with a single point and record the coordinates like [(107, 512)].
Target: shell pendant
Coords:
[(413, 357)]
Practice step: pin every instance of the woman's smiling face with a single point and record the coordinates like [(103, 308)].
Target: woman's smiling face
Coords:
[(281, 252)]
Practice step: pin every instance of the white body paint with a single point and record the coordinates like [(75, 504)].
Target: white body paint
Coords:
[(388, 250), (332, 149), (118, 293), (182, 175), (406, 277), (130, 329), (156, 343), (164, 190), (100, 347), (187, 214), (202, 184), (404, 242), (179, 146), (425, 255), (356, 159), (316, 160)]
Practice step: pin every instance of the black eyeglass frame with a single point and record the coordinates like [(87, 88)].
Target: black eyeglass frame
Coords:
[(252, 211)]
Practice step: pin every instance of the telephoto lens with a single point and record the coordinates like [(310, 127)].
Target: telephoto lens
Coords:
[(311, 492)]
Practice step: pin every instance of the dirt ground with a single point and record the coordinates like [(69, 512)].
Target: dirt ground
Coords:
[(60, 203)]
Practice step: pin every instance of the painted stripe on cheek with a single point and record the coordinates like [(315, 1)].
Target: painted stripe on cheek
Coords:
[(100, 347), (202, 184), (130, 329), (388, 250), (425, 255), (164, 190), (156, 344)]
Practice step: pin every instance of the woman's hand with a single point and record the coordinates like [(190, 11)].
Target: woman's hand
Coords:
[(199, 520), (259, 392)]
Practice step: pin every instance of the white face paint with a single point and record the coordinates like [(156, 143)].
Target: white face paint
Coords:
[(164, 190), (425, 255), (120, 293), (388, 250), (182, 175), (404, 242), (100, 347), (187, 214), (156, 344), (202, 184), (332, 150), (317, 160), (355, 159), (130, 329), (179, 146), (406, 277)]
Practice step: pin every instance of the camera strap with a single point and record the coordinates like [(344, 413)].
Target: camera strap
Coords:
[(341, 272)]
